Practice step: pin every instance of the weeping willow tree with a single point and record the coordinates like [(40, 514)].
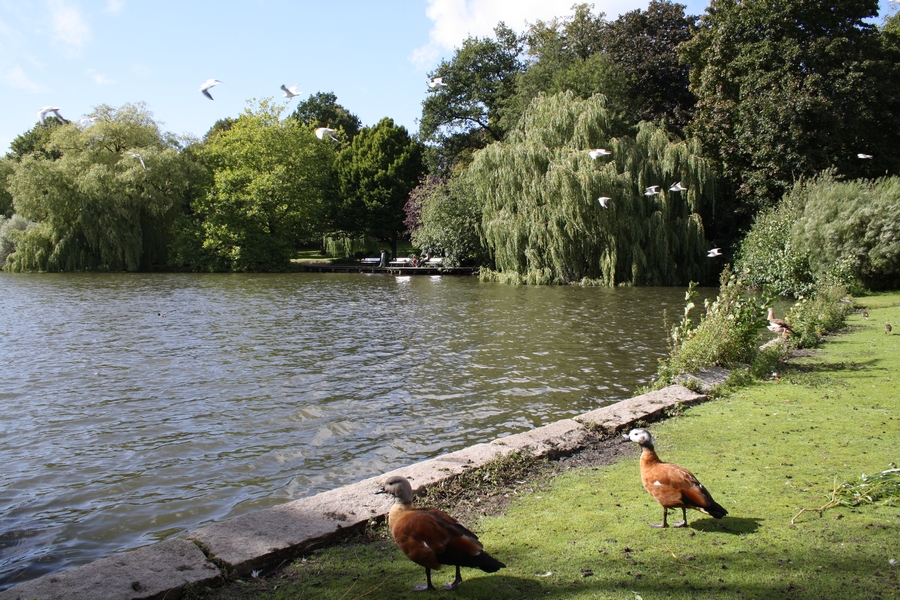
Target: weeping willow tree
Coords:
[(540, 188), (103, 197)]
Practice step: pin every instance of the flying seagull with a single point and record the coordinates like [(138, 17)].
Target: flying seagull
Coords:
[(861, 155), (597, 153), (139, 157), (290, 92), (87, 121), (50, 109), (677, 187), (714, 252), (321, 132), (208, 85), (437, 82), (652, 190), (604, 201)]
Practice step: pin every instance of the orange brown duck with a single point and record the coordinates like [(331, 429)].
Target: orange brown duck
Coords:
[(432, 538), (672, 486)]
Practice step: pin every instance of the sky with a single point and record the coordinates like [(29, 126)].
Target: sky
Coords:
[(374, 56)]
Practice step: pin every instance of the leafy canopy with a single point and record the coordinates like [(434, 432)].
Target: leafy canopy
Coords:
[(92, 203), (270, 180)]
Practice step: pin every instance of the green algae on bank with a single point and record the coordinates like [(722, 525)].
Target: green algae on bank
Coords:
[(766, 452)]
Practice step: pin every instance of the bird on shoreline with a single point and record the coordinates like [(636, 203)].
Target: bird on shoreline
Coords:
[(779, 326), (432, 538), (208, 85), (672, 486), (290, 92)]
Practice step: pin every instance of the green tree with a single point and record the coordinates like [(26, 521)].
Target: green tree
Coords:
[(270, 179), (642, 47), (376, 173), (99, 197), (464, 115), (565, 54), (444, 219), (539, 192), (322, 110), (788, 89)]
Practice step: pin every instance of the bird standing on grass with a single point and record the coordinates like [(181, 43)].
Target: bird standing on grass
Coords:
[(887, 327), (671, 485), (432, 538), (779, 326)]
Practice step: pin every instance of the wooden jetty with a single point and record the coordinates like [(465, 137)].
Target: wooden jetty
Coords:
[(396, 269)]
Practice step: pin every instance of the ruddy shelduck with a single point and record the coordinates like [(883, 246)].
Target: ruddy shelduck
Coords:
[(672, 486), (432, 538)]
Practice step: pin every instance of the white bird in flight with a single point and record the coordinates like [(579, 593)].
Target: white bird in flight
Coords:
[(861, 155), (50, 109), (714, 252), (321, 132), (208, 85), (437, 82), (652, 190), (598, 152), (677, 187), (290, 92), (139, 157), (87, 121), (604, 201)]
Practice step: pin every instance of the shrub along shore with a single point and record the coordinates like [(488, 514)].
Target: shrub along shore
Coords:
[(804, 462)]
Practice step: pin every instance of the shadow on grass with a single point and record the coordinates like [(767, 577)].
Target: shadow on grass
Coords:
[(732, 525)]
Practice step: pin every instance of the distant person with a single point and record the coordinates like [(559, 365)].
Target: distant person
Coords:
[(384, 260)]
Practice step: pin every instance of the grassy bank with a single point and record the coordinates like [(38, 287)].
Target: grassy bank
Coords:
[(766, 452)]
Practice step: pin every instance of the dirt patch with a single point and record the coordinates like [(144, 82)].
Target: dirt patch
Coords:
[(488, 490)]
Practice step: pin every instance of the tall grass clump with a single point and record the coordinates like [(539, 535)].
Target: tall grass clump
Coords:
[(726, 335), (812, 317)]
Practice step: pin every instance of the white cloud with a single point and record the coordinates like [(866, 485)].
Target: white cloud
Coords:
[(455, 20), (115, 6), (16, 78), (68, 25), (99, 78)]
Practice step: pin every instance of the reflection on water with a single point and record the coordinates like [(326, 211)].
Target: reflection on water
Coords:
[(137, 407)]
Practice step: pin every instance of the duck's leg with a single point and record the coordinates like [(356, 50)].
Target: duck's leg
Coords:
[(427, 586), (683, 522), (455, 583), (665, 517)]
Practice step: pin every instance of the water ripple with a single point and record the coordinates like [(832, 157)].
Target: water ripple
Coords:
[(138, 407)]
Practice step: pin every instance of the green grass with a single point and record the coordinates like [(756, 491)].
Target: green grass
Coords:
[(766, 452)]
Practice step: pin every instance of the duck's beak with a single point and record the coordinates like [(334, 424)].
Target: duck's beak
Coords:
[(381, 490)]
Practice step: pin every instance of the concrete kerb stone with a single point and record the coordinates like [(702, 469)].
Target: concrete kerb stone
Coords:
[(155, 571), (267, 538), (646, 407)]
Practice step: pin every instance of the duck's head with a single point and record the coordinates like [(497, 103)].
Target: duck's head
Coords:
[(640, 436), (399, 488)]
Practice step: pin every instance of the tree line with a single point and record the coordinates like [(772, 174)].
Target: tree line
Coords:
[(738, 106)]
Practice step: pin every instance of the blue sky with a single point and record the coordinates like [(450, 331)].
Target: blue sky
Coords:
[(375, 56)]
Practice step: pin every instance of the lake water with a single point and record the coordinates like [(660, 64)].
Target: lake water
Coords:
[(139, 407)]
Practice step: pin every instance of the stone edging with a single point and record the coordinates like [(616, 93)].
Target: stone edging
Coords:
[(266, 538)]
